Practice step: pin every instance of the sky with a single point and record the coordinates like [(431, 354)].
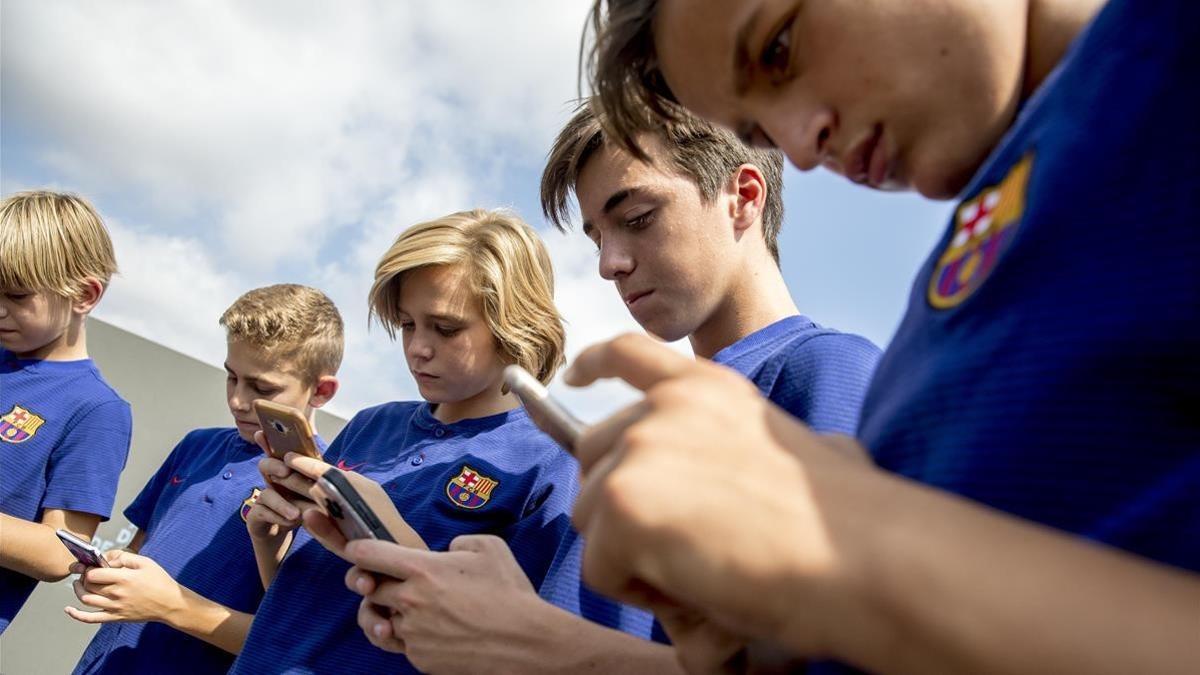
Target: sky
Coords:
[(230, 145)]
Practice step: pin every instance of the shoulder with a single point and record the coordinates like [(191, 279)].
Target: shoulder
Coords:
[(825, 348)]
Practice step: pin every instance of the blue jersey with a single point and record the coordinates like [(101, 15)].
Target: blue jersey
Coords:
[(193, 512), (1048, 362), (817, 374), (492, 475), (64, 438)]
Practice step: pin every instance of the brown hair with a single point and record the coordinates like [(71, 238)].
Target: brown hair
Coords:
[(52, 241), (510, 273), (294, 323), (622, 69), (704, 153)]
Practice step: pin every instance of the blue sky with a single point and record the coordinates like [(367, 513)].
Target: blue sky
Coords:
[(230, 145)]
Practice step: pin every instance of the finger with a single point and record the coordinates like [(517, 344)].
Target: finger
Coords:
[(313, 468), (89, 617), (103, 576), (378, 628), (637, 359), (261, 439), (360, 582), (599, 439), (592, 491), (478, 543), (274, 502), (92, 599), (273, 469), (393, 560), (298, 484), (322, 528), (77, 568)]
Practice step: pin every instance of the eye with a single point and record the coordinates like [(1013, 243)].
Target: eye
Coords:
[(265, 392), (17, 297), (406, 326), (448, 331), (776, 56), (753, 136), (640, 221)]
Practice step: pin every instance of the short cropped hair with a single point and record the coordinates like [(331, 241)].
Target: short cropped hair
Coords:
[(295, 324), (510, 273), (622, 67), (702, 152), (52, 241)]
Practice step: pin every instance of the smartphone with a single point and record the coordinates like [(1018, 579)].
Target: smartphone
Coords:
[(83, 551), (349, 511), (286, 430), (545, 411)]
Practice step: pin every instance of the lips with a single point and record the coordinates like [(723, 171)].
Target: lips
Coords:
[(631, 298), (867, 162)]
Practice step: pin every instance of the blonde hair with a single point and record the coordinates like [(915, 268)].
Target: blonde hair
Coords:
[(52, 241), (294, 323), (510, 273)]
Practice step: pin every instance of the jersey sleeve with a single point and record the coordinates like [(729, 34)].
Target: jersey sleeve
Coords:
[(546, 518), (83, 470), (825, 379), (142, 507)]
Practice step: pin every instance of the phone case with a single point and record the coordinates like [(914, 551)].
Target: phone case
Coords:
[(546, 412), (286, 430), (83, 551), (361, 509)]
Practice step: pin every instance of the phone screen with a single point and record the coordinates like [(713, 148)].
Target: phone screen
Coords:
[(84, 552)]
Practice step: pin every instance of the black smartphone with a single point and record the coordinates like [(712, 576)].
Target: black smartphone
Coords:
[(547, 412), (349, 510), (83, 551)]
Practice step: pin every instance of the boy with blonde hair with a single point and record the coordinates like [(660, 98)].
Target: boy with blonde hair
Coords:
[(188, 586), (64, 432)]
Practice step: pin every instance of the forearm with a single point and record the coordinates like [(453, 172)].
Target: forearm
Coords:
[(557, 641), (951, 586), (214, 623), (32, 549), (268, 554)]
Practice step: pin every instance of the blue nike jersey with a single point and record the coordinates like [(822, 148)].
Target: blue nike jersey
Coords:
[(64, 438), (492, 475), (193, 511), (1048, 361)]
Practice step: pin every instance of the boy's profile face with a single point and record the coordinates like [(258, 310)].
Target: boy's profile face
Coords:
[(668, 253), (31, 322), (894, 94), (448, 345), (251, 375)]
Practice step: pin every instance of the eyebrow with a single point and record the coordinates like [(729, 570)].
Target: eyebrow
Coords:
[(446, 317), (613, 202), (743, 68), (255, 379)]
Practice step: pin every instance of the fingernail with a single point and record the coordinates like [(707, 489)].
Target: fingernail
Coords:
[(361, 584), (378, 630)]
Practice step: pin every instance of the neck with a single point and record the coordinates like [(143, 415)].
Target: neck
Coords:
[(70, 346), (488, 402), (1053, 25), (757, 299)]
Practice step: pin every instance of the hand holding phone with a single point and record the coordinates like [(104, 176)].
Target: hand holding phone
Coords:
[(83, 551), (286, 430), (546, 412), (361, 509)]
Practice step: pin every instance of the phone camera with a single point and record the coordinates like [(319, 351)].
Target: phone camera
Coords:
[(278, 426)]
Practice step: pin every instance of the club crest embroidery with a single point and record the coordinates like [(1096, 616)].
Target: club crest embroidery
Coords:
[(19, 425), (470, 489), (983, 227), (249, 502)]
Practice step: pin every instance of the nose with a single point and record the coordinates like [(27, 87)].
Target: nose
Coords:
[(803, 134), (239, 401), (419, 348), (615, 261)]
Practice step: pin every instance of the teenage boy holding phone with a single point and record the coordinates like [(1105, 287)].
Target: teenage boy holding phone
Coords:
[(187, 587)]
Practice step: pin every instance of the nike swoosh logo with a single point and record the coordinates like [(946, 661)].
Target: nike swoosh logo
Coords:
[(176, 480), (341, 464)]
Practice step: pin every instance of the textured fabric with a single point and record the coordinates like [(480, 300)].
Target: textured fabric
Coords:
[(817, 374), (307, 620), (64, 438), (193, 512)]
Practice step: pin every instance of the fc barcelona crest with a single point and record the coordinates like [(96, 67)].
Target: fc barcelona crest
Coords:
[(470, 489), (249, 502), (983, 227), (19, 425)]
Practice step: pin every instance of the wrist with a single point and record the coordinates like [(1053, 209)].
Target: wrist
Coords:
[(176, 612)]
